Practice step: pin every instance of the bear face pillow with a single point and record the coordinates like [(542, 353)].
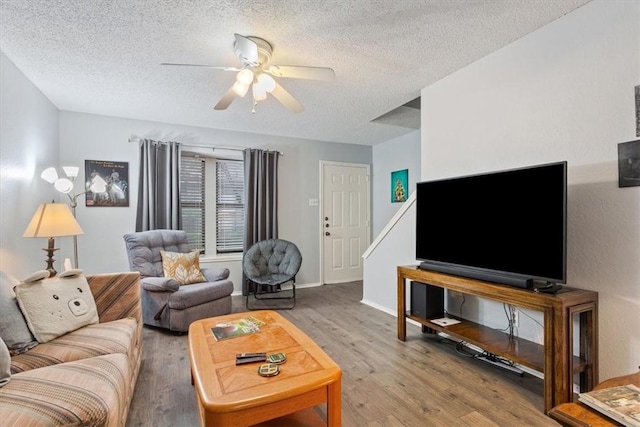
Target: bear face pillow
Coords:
[(57, 305)]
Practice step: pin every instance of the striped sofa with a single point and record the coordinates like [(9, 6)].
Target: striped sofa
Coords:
[(87, 376)]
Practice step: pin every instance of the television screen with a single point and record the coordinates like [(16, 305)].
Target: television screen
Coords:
[(506, 227)]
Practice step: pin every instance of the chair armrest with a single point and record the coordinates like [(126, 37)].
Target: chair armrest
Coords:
[(159, 284), (117, 295), (215, 274)]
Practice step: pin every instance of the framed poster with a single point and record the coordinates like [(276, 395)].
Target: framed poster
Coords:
[(116, 177), (399, 186), (629, 164), (637, 110)]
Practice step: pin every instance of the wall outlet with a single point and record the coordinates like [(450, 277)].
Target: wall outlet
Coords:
[(515, 318)]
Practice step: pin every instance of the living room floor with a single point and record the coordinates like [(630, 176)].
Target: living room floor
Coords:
[(421, 382)]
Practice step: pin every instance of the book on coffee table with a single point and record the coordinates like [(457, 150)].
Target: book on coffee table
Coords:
[(620, 403), (236, 328)]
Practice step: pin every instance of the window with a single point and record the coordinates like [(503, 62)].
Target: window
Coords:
[(192, 198), (229, 205), (225, 216)]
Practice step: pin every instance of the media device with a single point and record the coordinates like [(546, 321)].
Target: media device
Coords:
[(426, 301), (507, 227)]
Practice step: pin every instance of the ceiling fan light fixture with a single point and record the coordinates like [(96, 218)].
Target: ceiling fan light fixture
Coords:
[(240, 89), (266, 82), (245, 77), (259, 94)]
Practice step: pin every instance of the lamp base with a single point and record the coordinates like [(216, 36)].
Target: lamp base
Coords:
[(50, 260)]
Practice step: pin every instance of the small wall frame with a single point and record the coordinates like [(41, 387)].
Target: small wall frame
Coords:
[(629, 164), (399, 186), (116, 175)]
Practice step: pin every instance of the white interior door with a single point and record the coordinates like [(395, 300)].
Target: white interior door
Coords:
[(345, 219)]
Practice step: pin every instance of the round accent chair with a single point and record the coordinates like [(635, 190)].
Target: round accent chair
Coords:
[(267, 265)]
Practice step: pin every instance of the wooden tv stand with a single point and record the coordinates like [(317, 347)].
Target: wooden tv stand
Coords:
[(554, 358)]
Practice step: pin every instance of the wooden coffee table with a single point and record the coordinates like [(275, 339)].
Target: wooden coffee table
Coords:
[(236, 395)]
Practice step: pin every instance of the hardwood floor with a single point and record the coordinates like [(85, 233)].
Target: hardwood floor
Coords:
[(421, 382)]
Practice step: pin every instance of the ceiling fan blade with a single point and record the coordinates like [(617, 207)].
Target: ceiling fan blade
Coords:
[(203, 66), (295, 72), (246, 49), (287, 100), (226, 100)]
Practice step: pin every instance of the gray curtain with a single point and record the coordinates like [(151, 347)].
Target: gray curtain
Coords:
[(159, 186), (261, 198)]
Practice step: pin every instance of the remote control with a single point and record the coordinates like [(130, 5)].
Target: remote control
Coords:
[(249, 355), (244, 360)]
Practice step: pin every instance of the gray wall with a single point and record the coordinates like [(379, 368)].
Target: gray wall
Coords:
[(28, 144), (396, 154), (564, 92), (87, 136)]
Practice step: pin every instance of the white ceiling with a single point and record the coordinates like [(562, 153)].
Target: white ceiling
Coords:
[(103, 57)]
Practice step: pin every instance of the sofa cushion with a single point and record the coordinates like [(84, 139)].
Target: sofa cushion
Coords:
[(13, 326), (5, 364), (118, 336), (90, 392), (56, 305), (184, 268)]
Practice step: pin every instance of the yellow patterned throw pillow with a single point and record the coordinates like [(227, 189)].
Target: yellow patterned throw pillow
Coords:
[(184, 268)]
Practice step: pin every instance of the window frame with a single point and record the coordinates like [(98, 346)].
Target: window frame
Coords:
[(210, 209)]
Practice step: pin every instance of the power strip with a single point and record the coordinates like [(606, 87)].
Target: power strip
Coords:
[(501, 365)]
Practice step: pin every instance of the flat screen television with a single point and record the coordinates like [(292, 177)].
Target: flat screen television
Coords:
[(507, 227)]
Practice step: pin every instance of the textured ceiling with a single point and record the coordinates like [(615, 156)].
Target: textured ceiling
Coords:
[(103, 57)]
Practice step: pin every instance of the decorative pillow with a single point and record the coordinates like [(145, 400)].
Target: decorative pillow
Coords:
[(5, 364), (56, 305), (13, 327), (184, 268)]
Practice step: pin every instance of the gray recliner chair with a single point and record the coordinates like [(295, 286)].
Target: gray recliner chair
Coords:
[(267, 265), (166, 303)]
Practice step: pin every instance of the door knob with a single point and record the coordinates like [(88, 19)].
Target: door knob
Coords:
[(326, 233)]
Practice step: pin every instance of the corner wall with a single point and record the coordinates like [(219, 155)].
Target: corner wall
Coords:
[(28, 145), (563, 92), (399, 153)]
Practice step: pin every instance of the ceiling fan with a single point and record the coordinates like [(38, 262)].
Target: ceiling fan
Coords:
[(256, 73)]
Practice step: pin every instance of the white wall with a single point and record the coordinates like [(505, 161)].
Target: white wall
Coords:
[(93, 137), (28, 144), (399, 153), (564, 92)]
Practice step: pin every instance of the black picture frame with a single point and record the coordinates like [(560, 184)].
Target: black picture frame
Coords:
[(638, 110), (116, 176), (629, 164)]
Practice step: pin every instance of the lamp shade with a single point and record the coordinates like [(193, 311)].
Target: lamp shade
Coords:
[(53, 220), (71, 171), (63, 185), (50, 175)]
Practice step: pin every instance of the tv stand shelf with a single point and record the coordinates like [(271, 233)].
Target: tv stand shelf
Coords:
[(554, 358)]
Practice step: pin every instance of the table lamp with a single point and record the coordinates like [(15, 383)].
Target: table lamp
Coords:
[(52, 220)]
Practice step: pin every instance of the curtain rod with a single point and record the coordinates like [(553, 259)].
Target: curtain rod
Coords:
[(212, 147)]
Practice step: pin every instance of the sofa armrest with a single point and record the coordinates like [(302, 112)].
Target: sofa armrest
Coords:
[(117, 295), (215, 274), (159, 284)]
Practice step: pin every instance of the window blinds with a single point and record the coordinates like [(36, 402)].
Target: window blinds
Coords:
[(192, 198), (229, 205)]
